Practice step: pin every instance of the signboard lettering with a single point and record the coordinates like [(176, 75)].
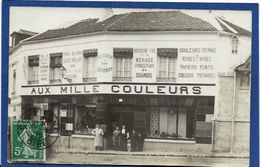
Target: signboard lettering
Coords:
[(144, 65), (143, 89)]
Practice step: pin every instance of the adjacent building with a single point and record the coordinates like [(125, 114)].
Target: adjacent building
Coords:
[(181, 81)]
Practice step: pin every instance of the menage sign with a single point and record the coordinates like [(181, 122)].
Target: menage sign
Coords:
[(131, 89), (144, 64)]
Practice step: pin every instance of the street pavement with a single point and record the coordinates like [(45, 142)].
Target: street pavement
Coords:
[(128, 159)]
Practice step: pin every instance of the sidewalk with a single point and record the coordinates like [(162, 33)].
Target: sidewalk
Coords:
[(144, 153)]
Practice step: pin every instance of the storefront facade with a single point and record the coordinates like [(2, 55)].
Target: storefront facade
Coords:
[(164, 85)]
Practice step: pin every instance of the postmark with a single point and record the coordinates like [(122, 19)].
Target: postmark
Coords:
[(27, 141)]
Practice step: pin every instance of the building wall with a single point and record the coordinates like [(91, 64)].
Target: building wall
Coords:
[(242, 118), (227, 60), (224, 60), (72, 49), (232, 128)]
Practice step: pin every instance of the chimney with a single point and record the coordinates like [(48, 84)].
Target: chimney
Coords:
[(108, 12)]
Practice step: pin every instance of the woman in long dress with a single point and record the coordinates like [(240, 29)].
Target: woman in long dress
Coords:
[(98, 141)]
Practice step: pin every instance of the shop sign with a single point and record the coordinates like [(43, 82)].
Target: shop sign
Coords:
[(134, 89), (44, 68), (144, 65), (104, 67), (197, 65)]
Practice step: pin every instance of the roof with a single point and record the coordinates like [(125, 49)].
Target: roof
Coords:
[(232, 28), (25, 32), (246, 66), (135, 21)]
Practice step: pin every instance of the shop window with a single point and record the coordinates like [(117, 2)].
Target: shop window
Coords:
[(51, 116), (205, 102), (14, 82), (204, 113), (169, 123), (235, 45), (33, 69), (55, 65), (122, 64), (245, 79), (167, 64), (85, 119), (200, 117), (66, 119), (90, 59), (175, 121)]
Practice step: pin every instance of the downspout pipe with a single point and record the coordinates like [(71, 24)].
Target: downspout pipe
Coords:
[(233, 112)]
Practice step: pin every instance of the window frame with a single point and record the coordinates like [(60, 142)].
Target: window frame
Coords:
[(169, 55), (122, 64), (14, 81), (87, 56), (234, 45), (33, 69), (55, 65)]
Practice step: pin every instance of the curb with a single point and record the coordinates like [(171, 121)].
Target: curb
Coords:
[(212, 155)]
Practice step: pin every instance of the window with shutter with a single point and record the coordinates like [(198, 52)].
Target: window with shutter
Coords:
[(122, 70), (55, 65), (33, 69), (90, 60), (167, 64)]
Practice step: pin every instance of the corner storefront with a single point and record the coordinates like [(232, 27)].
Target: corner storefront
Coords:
[(162, 113)]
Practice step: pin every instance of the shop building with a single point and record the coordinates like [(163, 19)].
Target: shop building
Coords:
[(173, 77)]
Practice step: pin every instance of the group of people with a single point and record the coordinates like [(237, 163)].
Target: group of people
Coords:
[(123, 141)]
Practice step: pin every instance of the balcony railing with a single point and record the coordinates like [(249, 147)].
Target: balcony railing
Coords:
[(90, 79), (53, 81), (160, 79), (32, 82), (122, 78)]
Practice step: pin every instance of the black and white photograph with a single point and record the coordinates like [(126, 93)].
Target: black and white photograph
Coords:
[(129, 86)]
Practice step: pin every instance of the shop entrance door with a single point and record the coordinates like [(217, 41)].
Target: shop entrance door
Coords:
[(119, 118), (127, 119), (123, 118)]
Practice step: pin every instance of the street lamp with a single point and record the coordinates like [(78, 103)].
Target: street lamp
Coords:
[(63, 71)]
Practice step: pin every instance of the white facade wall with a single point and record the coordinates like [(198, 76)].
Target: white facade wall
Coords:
[(72, 47)]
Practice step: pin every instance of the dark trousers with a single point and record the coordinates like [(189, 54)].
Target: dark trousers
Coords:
[(98, 148), (123, 143)]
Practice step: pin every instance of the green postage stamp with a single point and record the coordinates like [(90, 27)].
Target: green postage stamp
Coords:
[(28, 140)]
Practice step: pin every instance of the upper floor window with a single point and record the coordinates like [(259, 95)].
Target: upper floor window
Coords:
[(33, 69), (235, 45), (122, 64), (89, 65), (14, 82), (167, 64), (55, 65)]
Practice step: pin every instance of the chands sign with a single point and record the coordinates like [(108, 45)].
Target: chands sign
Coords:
[(135, 89)]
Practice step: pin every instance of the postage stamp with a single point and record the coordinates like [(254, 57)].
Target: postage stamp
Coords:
[(28, 140)]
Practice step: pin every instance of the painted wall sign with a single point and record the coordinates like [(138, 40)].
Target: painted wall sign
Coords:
[(134, 89), (144, 65), (72, 61), (44, 68), (104, 67), (196, 65)]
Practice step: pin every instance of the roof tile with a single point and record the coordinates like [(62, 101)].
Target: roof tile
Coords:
[(135, 21)]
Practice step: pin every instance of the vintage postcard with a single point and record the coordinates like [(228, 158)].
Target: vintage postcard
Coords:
[(130, 86)]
